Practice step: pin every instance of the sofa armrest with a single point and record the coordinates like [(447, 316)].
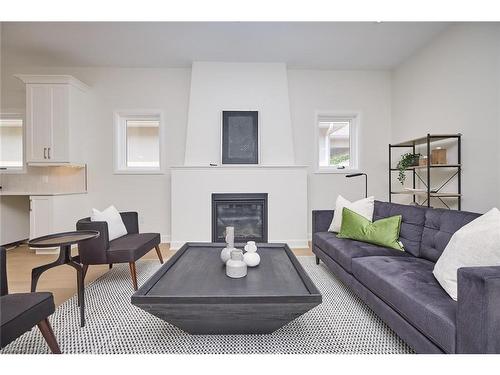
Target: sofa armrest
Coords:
[(131, 221), (93, 251), (321, 220), (478, 313)]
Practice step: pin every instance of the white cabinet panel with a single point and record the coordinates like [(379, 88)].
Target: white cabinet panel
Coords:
[(59, 146), (39, 118), (40, 216), (56, 213)]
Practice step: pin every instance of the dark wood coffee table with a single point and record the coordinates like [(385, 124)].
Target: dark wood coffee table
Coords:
[(192, 291)]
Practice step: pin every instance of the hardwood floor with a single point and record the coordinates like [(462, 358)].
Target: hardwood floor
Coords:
[(61, 281)]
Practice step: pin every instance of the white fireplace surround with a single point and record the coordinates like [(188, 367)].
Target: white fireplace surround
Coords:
[(218, 86), (192, 189)]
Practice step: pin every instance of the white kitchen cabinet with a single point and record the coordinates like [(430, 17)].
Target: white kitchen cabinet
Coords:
[(40, 216), (56, 213), (55, 119)]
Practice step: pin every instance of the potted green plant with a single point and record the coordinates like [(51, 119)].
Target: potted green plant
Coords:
[(407, 160)]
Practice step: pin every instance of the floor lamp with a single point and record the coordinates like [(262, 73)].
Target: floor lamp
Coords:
[(366, 180)]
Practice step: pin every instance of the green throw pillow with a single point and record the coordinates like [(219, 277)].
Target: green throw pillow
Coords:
[(383, 232)]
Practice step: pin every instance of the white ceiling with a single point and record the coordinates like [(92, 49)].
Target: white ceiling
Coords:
[(326, 45)]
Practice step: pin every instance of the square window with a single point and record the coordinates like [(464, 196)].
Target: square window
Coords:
[(138, 145), (11, 142), (336, 143), (143, 144)]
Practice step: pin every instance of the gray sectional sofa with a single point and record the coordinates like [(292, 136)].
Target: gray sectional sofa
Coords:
[(401, 289)]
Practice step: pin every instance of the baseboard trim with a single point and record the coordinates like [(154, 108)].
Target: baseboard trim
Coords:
[(49, 250), (15, 243), (293, 244), (45, 251)]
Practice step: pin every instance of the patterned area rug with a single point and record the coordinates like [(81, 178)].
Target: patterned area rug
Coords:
[(341, 324)]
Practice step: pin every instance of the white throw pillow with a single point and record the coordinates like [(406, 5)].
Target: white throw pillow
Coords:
[(475, 244), (116, 228), (364, 207)]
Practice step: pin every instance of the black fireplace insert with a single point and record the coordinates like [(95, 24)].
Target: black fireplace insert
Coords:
[(246, 212)]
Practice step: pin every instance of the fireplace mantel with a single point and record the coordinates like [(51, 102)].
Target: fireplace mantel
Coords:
[(193, 186)]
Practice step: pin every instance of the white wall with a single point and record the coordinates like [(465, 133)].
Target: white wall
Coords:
[(452, 86), (238, 86), (122, 89), (14, 218), (366, 92), (168, 90)]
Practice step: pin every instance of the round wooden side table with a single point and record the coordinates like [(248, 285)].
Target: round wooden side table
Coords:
[(64, 242)]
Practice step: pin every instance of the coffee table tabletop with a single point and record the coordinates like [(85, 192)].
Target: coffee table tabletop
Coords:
[(193, 292)]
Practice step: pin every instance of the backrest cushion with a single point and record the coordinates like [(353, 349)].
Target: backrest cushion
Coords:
[(440, 224), (412, 224)]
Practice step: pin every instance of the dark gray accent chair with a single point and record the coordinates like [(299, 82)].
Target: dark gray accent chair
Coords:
[(20, 312), (125, 249), (401, 289)]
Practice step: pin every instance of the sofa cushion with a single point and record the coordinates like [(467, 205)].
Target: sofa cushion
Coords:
[(409, 287), (20, 312), (475, 244), (344, 250), (412, 223), (363, 207), (440, 225), (383, 232), (116, 227), (131, 247)]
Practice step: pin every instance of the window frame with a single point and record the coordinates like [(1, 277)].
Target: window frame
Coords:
[(120, 140), (16, 114), (354, 117)]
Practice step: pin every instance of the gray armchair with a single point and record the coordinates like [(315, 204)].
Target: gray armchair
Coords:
[(125, 249), (20, 312)]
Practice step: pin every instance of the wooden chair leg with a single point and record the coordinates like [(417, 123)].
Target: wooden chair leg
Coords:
[(133, 273), (49, 337), (110, 265), (159, 253)]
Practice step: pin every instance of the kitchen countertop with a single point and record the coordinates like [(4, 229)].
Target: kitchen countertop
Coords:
[(31, 193)]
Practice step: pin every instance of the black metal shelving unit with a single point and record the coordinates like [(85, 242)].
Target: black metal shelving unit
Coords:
[(426, 181)]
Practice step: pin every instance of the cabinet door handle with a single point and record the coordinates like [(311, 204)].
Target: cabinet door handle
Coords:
[(45, 152), (48, 153)]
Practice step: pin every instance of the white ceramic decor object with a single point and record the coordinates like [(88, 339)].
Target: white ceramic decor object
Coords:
[(225, 254), (235, 267), (230, 237), (252, 259), (251, 247)]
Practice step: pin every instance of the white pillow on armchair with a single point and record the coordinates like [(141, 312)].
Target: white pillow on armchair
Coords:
[(363, 207), (116, 227)]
